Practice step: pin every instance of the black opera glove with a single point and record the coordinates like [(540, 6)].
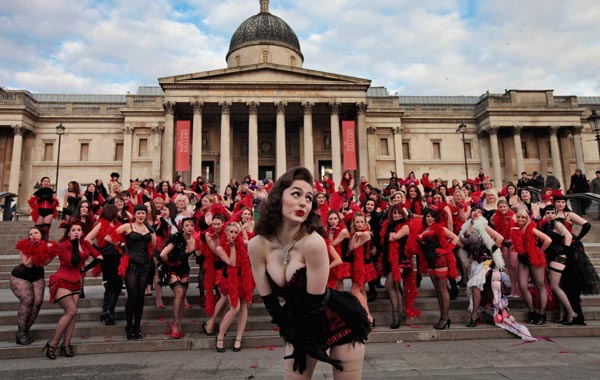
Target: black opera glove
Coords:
[(584, 230), (92, 264), (313, 329), (75, 258)]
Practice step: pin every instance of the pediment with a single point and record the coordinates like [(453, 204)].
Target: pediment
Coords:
[(263, 74)]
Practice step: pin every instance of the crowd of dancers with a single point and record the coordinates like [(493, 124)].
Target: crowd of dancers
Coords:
[(499, 243)]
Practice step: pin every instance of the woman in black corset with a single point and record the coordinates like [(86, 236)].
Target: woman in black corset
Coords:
[(289, 259), (72, 198), (138, 243)]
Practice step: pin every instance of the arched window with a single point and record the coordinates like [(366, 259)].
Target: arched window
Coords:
[(265, 57), (292, 61), (237, 60)]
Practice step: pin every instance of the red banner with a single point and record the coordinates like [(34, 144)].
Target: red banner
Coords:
[(349, 143), (182, 146)]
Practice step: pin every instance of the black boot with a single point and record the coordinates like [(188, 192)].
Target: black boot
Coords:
[(104, 308), (111, 302), (372, 293), (453, 289), (81, 292)]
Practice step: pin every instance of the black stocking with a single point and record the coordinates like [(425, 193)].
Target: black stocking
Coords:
[(70, 307), (23, 290), (136, 285), (38, 299)]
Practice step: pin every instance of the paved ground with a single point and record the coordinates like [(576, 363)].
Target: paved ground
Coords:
[(560, 358)]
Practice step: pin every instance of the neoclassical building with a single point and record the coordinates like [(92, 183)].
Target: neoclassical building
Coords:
[(265, 112)]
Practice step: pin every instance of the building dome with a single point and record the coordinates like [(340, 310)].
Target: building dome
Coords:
[(264, 29)]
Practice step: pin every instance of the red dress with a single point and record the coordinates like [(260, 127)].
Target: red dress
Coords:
[(67, 276), (344, 269), (237, 281)]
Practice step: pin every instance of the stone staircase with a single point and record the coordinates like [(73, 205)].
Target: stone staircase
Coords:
[(91, 336)]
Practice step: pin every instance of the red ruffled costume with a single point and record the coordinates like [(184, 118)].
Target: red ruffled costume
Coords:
[(68, 276), (363, 272), (503, 223), (402, 271), (444, 251), (344, 269), (35, 205)]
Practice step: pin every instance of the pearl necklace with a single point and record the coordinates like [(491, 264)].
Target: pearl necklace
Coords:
[(286, 249)]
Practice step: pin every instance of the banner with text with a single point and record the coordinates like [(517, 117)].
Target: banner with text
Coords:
[(182, 146), (349, 142)]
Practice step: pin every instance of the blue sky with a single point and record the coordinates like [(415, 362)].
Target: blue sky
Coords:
[(426, 47)]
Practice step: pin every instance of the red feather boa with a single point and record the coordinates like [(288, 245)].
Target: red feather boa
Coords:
[(359, 271), (445, 248), (237, 285), (503, 223), (38, 250), (410, 293), (524, 243), (210, 275)]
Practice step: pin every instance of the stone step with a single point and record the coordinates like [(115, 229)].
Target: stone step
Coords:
[(269, 339)]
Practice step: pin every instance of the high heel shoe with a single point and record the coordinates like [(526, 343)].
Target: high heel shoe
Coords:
[(237, 348), (175, 335), (399, 321), (569, 322), (67, 351), (160, 306), (50, 351), (443, 324), (473, 322), (219, 349), (532, 317), (23, 338), (129, 333), (541, 319), (205, 329)]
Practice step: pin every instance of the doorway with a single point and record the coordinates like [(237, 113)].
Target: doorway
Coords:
[(266, 172)]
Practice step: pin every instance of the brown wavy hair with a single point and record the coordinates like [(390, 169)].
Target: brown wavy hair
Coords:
[(269, 216)]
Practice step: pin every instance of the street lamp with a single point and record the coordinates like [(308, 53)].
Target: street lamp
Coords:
[(462, 129), (60, 130), (594, 121)]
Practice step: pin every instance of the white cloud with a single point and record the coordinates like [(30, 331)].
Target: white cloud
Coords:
[(430, 47)]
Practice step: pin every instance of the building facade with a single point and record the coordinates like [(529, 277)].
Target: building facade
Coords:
[(265, 112)]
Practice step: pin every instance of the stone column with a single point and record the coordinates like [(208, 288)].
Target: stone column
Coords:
[(363, 153), (156, 155), (398, 151), (578, 148), (555, 152), (127, 150), (280, 139), (253, 139), (518, 149), (225, 156), (483, 149), (309, 159), (371, 152), (166, 171), (493, 131), (197, 140), (336, 150), (15, 163)]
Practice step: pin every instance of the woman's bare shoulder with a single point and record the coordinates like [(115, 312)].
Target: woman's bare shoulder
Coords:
[(313, 241), (257, 244)]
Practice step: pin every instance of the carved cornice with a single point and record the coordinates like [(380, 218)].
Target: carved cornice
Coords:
[(371, 130), (18, 130), (280, 106), (253, 107), (397, 130), (265, 86)]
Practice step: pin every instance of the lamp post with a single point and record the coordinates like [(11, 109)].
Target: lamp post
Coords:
[(594, 121), (60, 130), (462, 129)]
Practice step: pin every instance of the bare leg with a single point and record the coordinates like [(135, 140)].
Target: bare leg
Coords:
[(227, 319), (288, 370), (360, 293), (157, 288), (210, 324), (352, 357), (512, 266), (242, 320)]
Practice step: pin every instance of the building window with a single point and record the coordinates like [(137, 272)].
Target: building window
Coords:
[(468, 150), (143, 148), (84, 150), (265, 57), (293, 61), (437, 150), (119, 151), (384, 149), (237, 60), (524, 150), (48, 152), (406, 150)]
